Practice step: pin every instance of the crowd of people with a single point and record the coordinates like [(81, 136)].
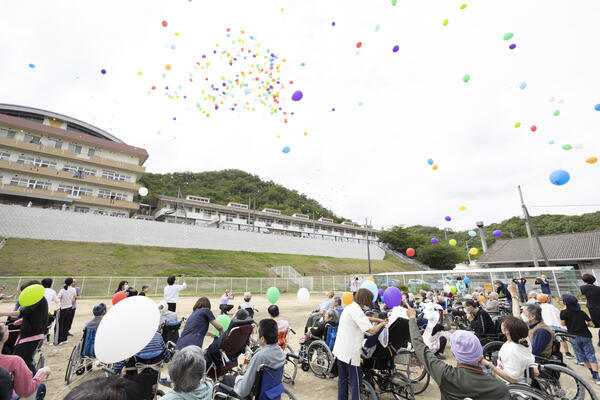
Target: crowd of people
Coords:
[(528, 322)]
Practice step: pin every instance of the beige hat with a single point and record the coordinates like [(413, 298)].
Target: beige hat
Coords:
[(162, 307)]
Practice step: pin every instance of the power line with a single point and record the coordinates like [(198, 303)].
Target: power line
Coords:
[(564, 205)]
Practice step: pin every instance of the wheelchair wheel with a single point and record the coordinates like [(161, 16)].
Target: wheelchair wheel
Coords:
[(320, 359), (40, 361), (519, 391), (490, 348), (559, 382), (73, 364), (407, 363), (402, 387), (290, 368), (367, 392)]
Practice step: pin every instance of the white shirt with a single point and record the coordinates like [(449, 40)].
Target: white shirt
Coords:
[(327, 304), (67, 297), (550, 314), (225, 298), (171, 292), (51, 296), (355, 285), (351, 332), (514, 359)]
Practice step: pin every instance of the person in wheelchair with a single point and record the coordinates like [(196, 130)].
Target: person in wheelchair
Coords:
[(166, 316), (480, 321), (320, 329), (99, 311), (246, 305), (186, 372), (270, 355)]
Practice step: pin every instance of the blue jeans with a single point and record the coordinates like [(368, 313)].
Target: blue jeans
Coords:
[(348, 374), (584, 349)]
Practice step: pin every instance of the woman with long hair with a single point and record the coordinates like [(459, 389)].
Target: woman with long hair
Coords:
[(67, 296), (197, 325)]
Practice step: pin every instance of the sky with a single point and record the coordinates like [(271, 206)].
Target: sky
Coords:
[(393, 110)]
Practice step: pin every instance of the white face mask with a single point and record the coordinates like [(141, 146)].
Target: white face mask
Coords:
[(125, 287)]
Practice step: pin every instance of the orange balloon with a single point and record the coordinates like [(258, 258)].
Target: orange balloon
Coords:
[(168, 67), (435, 167), (347, 298), (371, 279), (592, 160)]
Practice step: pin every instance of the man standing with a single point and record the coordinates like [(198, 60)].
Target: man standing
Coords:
[(544, 284), (521, 282), (354, 285), (224, 305), (171, 291)]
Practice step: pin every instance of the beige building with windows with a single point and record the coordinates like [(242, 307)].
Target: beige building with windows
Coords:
[(53, 161)]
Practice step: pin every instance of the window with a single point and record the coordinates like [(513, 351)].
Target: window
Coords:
[(115, 176), (76, 191), (107, 194), (75, 148), (30, 183), (7, 133), (25, 159), (37, 162), (16, 181), (103, 193), (94, 152), (32, 139), (207, 213), (56, 144), (84, 210)]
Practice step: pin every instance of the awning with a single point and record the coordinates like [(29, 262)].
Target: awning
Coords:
[(37, 196)]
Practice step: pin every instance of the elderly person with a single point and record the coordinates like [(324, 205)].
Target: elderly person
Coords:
[(171, 291), (197, 325), (166, 316), (551, 317), (113, 387), (318, 312), (467, 379), (592, 295), (479, 320), (246, 305), (25, 383), (186, 372), (99, 312), (348, 344), (224, 305), (330, 318), (532, 297), (337, 305), (492, 305)]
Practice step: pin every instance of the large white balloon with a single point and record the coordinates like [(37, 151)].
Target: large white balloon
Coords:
[(143, 191), (303, 295), (126, 329)]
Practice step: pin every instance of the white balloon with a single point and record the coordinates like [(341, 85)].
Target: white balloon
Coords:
[(303, 295), (126, 329), (143, 191)]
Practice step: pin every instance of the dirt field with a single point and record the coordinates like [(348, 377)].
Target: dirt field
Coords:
[(307, 385)]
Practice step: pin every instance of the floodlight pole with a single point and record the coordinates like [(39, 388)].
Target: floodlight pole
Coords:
[(530, 227), (368, 249)]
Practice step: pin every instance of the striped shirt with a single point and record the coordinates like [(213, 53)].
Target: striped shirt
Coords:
[(154, 348)]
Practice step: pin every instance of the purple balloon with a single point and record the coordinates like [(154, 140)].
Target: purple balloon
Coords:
[(297, 96), (434, 241), (447, 218), (512, 46), (381, 292), (392, 297), (396, 48), (497, 233)]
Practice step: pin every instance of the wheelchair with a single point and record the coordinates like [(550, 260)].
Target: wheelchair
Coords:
[(394, 369), (268, 385), (315, 353), (82, 356), (13, 334), (290, 368), (222, 354), (170, 330)]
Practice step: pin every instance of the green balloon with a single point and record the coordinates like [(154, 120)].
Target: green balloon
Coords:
[(452, 242), (273, 294), (508, 35), (31, 295), (567, 147), (394, 2), (466, 78), (556, 113), (224, 320)]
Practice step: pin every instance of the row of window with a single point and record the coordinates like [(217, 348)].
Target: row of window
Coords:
[(30, 183), (35, 161), (107, 194), (76, 191)]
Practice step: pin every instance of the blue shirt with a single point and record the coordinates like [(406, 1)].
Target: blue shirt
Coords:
[(544, 285), (520, 285), (503, 290), (339, 310), (195, 328), (540, 340), (154, 348)]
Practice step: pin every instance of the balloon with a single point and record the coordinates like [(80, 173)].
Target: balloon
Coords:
[(371, 287), (140, 315), (452, 242), (467, 280), (473, 251), (512, 46), (523, 85), (103, 71), (551, 142), (508, 36), (567, 147), (429, 161), (517, 124), (592, 160), (286, 149), (303, 295), (347, 298), (360, 103), (497, 233), (333, 23), (463, 6), (31, 66), (273, 294), (118, 297), (377, 28), (370, 278), (434, 241), (597, 107), (434, 167), (410, 252), (462, 208), (224, 320), (31, 295), (394, 2), (445, 22), (556, 113), (396, 48), (392, 297), (297, 96), (358, 45), (143, 191), (168, 67), (453, 289), (466, 78), (380, 292), (164, 24), (448, 218), (472, 233), (447, 288), (559, 177), (533, 128)]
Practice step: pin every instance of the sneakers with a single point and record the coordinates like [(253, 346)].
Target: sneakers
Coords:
[(578, 363), (598, 381), (569, 355)]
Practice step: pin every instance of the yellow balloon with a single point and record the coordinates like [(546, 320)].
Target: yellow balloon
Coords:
[(473, 251), (371, 279), (452, 242), (347, 298), (462, 208), (591, 160)]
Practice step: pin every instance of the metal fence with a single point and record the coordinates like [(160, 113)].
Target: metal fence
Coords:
[(563, 279)]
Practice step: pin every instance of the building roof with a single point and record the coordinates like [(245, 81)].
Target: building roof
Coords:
[(258, 213), (562, 247), (22, 117)]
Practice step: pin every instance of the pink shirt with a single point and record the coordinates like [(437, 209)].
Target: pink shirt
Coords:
[(25, 384)]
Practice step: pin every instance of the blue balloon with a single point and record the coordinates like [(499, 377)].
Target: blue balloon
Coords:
[(429, 161), (559, 177), (551, 142), (31, 65), (467, 280), (286, 149), (597, 107), (472, 233), (377, 28), (523, 85), (371, 287)]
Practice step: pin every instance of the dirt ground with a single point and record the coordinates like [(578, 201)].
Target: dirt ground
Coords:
[(307, 386)]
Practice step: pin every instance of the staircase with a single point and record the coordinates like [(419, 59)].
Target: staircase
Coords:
[(403, 258), (288, 272)]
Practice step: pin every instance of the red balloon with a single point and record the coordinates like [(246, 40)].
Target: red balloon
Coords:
[(118, 297), (164, 23), (533, 128), (358, 44), (410, 252)]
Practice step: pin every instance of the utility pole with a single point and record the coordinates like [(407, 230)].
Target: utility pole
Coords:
[(368, 249), (530, 227), (468, 254)]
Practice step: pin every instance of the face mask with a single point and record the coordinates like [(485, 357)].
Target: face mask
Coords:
[(125, 287)]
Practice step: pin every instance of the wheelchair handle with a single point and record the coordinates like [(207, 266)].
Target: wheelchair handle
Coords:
[(564, 334), (109, 370), (291, 355), (224, 388), (293, 331)]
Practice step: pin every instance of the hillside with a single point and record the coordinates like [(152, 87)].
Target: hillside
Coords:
[(31, 257), (234, 185)]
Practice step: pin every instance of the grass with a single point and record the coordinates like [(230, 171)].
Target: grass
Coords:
[(32, 257)]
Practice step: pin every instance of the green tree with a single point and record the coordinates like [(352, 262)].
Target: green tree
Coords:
[(439, 256)]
